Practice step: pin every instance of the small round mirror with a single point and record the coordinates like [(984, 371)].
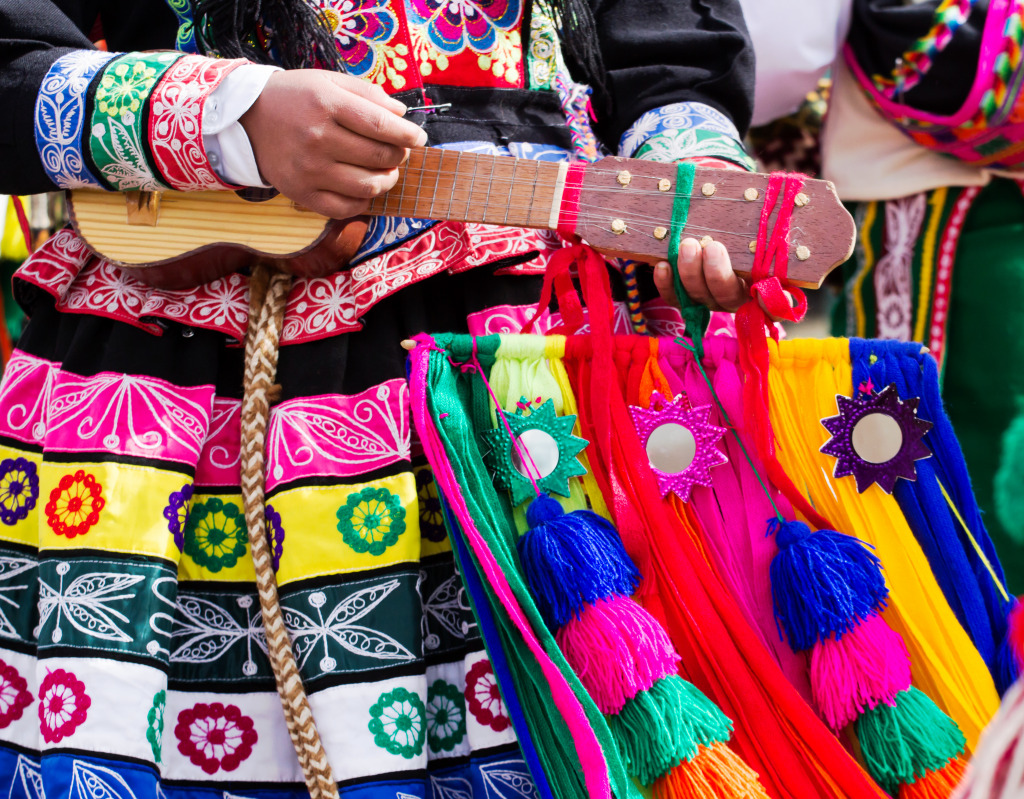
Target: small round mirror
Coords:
[(542, 451), (877, 438), (671, 448)]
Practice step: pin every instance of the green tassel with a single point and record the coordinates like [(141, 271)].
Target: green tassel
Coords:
[(902, 743), (664, 725)]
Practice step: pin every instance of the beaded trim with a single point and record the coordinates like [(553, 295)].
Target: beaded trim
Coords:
[(60, 115)]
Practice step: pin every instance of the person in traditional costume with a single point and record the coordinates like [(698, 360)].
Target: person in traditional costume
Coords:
[(133, 659)]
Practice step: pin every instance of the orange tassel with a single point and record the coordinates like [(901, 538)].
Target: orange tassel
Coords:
[(715, 772), (935, 784)]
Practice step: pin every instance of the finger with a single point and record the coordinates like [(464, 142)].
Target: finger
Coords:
[(355, 181), (346, 147), (369, 91), (724, 285), (365, 118), (663, 283), (335, 206), (691, 273)]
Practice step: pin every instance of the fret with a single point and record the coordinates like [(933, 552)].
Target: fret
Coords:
[(457, 175), (487, 196), (424, 165), (472, 185), (437, 185), (533, 191)]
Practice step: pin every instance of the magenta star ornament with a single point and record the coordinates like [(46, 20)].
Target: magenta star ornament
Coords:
[(681, 443), (876, 438)]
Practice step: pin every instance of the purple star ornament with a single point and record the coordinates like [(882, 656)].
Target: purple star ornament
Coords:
[(680, 443), (877, 438)]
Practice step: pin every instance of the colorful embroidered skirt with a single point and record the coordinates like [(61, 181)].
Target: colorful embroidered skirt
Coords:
[(132, 654)]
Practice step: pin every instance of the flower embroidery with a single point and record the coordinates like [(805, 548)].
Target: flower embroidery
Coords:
[(454, 25), (14, 695), (446, 716), (19, 489), (275, 536), (397, 723), (215, 535), (63, 705), (122, 88), (484, 697), (363, 31), (176, 513), (75, 504), (215, 736), (371, 520), (155, 727), (431, 516)]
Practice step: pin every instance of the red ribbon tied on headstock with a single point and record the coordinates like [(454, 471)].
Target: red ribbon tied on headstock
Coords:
[(771, 298)]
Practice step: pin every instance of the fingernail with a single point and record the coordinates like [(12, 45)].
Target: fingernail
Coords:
[(400, 108), (661, 271), (690, 248), (422, 138)]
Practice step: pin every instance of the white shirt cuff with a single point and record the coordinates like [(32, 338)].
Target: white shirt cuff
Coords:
[(227, 145)]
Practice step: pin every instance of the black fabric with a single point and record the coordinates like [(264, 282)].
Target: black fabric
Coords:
[(883, 30), (34, 34), (658, 52)]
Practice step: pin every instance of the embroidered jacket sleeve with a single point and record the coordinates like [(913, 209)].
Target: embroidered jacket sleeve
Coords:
[(76, 116), (680, 78)]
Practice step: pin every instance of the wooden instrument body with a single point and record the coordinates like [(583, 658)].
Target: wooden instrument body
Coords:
[(177, 240)]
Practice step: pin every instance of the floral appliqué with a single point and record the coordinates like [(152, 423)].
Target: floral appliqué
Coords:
[(443, 29), (155, 724), (14, 695), (446, 716), (275, 536), (19, 489), (365, 33), (63, 705), (215, 736), (483, 697), (122, 89), (397, 723), (176, 513), (371, 520), (215, 535), (75, 504), (431, 515)]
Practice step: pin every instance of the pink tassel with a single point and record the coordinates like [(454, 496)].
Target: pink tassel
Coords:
[(618, 649), (867, 665)]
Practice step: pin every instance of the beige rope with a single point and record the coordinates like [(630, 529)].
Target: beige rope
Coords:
[(268, 295)]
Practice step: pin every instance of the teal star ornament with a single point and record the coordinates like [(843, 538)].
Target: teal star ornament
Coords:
[(547, 450)]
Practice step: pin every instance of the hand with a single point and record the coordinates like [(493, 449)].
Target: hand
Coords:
[(707, 276), (329, 142)]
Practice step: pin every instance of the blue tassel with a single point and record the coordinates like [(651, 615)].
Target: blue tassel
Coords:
[(823, 583), (571, 560)]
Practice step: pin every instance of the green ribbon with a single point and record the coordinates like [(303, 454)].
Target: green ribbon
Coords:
[(696, 316)]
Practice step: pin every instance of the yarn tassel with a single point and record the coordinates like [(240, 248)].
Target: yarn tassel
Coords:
[(661, 727), (617, 649), (715, 772), (822, 583), (902, 743), (856, 671), (937, 784), (571, 560)]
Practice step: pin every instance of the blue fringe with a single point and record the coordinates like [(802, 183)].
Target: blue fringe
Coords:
[(571, 560), (823, 583)]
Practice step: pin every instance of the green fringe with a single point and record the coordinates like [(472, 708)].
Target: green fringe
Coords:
[(659, 728), (903, 743)]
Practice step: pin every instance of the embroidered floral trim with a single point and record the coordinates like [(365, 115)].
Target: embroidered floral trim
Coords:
[(176, 122), (75, 504), (215, 535), (446, 716), (155, 724), (176, 513), (675, 117), (63, 705), (117, 142), (185, 40), (368, 37), (483, 697), (19, 489), (677, 145), (431, 515), (60, 117), (275, 536), (371, 520), (455, 25), (215, 736), (14, 695), (397, 723)]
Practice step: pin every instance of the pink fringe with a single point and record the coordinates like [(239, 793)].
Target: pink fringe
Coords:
[(867, 665), (618, 649)]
